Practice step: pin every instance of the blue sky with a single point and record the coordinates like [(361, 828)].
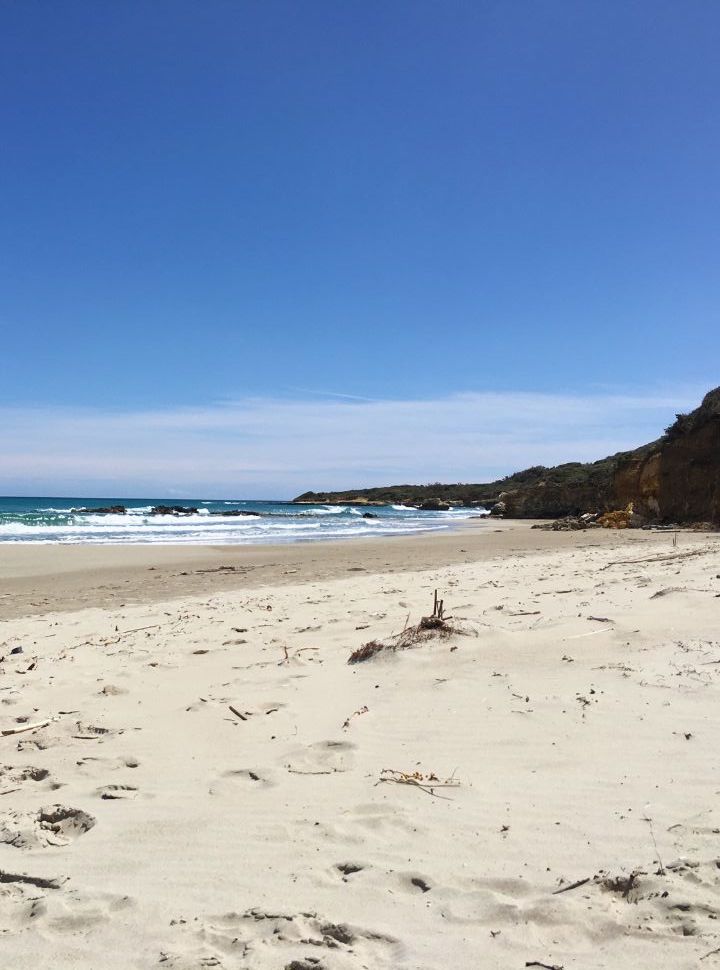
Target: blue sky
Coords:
[(224, 206)]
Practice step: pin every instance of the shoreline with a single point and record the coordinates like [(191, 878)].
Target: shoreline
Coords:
[(36, 579)]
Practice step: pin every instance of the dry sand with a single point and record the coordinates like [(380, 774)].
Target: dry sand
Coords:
[(148, 824)]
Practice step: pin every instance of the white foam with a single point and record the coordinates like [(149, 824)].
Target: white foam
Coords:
[(280, 524)]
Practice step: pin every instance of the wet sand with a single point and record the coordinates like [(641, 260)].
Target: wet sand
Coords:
[(48, 578)]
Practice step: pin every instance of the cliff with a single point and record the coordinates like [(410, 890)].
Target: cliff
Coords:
[(673, 479), (678, 480)]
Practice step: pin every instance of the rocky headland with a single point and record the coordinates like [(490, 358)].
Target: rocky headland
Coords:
[(675, 479)]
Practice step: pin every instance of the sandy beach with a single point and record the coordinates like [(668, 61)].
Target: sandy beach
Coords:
[(194, 776)]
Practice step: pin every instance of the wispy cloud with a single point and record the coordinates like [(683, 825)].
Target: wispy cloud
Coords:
[(278, 447)]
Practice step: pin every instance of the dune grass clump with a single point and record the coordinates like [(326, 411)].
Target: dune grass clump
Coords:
[(366, 651)]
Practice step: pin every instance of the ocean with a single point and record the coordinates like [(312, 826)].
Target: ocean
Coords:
[(61, 520)]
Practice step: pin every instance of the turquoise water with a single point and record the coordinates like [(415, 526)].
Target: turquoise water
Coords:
[(59, 520)]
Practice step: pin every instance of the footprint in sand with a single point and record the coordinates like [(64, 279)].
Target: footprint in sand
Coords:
[(13, 778), (321, 758), (73, 910), (55, 825), (290, 941), (257, 778), (90, 763), (110, 792), (91, 732), (384, 820), (40, 741), (60, 825)]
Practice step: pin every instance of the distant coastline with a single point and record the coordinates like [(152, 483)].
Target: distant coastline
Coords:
[(674, 479)]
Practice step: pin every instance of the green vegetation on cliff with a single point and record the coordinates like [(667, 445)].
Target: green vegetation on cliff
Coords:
[(596, 475)]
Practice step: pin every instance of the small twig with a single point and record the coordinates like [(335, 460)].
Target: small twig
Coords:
[(298, 771), (428, 783), (110, 641), (137, 629), (237, 713), (657, 851), (566, 889), (9, 791), (546, 966)]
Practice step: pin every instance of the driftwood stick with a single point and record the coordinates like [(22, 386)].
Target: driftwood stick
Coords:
[(237, 713), (679, 555), (26, 727), (566, 889), (546, 966)]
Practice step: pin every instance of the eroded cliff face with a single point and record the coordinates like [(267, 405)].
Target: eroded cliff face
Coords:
[(675, 479), (637, 480), (680, 480), (550, 500)]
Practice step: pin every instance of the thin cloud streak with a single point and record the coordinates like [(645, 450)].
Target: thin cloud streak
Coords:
[(275, 447)]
